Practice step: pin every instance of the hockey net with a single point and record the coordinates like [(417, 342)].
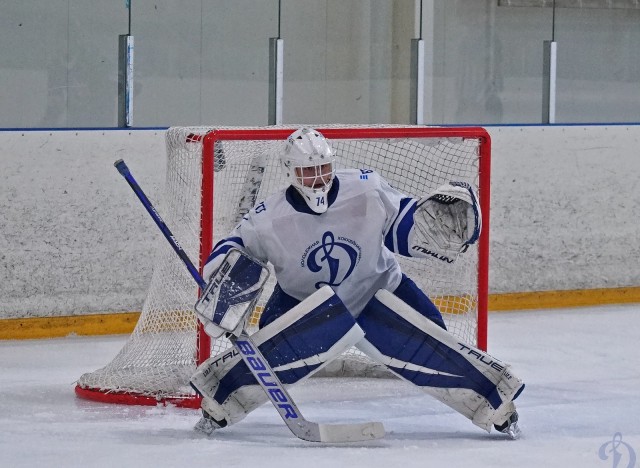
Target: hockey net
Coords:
[(215, 175)]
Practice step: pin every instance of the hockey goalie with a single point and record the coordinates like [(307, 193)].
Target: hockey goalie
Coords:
[(331, 237)]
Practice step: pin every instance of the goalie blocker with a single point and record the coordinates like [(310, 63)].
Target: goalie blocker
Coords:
[(231, 294)]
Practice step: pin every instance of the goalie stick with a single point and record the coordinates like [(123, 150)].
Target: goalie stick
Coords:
[(255, 361)]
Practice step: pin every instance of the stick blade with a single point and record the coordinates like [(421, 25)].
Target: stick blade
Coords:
[(339, 433)]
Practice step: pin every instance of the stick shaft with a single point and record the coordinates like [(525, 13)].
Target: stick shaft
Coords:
[(123, 169)]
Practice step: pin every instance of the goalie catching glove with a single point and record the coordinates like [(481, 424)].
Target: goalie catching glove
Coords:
[(232, 292), (446, 221)]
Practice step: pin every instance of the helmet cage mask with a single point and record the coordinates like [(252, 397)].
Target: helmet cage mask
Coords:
[(309, 165)]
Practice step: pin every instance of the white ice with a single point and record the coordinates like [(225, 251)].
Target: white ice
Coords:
[(581, 367)]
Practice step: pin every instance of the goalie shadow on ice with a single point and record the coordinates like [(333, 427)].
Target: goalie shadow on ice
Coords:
[(332, 237)]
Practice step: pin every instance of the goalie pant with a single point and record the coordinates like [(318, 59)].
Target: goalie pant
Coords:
[(305, 339)]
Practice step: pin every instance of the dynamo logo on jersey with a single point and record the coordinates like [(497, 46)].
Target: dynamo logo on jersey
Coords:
[(336, 257)]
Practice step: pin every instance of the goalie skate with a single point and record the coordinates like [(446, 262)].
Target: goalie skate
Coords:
[(510, 426), (207, 423)]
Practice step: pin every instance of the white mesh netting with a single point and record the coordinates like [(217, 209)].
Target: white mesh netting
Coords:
[(161, 354)]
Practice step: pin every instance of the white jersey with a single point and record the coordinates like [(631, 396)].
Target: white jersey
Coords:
[(348, 247)]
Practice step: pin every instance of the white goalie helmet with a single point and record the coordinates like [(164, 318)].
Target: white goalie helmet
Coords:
[(309, 165)]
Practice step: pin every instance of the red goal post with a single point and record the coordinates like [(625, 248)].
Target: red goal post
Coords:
[(215, 175)]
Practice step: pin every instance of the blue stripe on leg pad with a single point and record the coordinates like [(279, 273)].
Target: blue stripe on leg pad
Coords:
[(289, 343), (419, 357)]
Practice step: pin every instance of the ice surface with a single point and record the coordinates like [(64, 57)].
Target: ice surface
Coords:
[(581, 367)]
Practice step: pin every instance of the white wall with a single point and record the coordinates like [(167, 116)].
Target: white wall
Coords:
[(565, 208), (74, 240), (73, 237)]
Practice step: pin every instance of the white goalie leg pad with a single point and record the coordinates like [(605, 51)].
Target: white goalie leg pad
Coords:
[(463, 377), (296, 345)]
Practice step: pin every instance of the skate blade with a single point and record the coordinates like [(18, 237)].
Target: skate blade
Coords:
[(513, 431)]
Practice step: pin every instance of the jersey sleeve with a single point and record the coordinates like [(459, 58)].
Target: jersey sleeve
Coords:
[(400, 209), (243, 237)]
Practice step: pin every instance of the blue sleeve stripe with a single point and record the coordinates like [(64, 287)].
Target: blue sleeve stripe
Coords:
[(388, 240), (397, 237), (222, 247)]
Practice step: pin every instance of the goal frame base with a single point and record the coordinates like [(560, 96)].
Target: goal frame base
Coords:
[(133, 399)]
